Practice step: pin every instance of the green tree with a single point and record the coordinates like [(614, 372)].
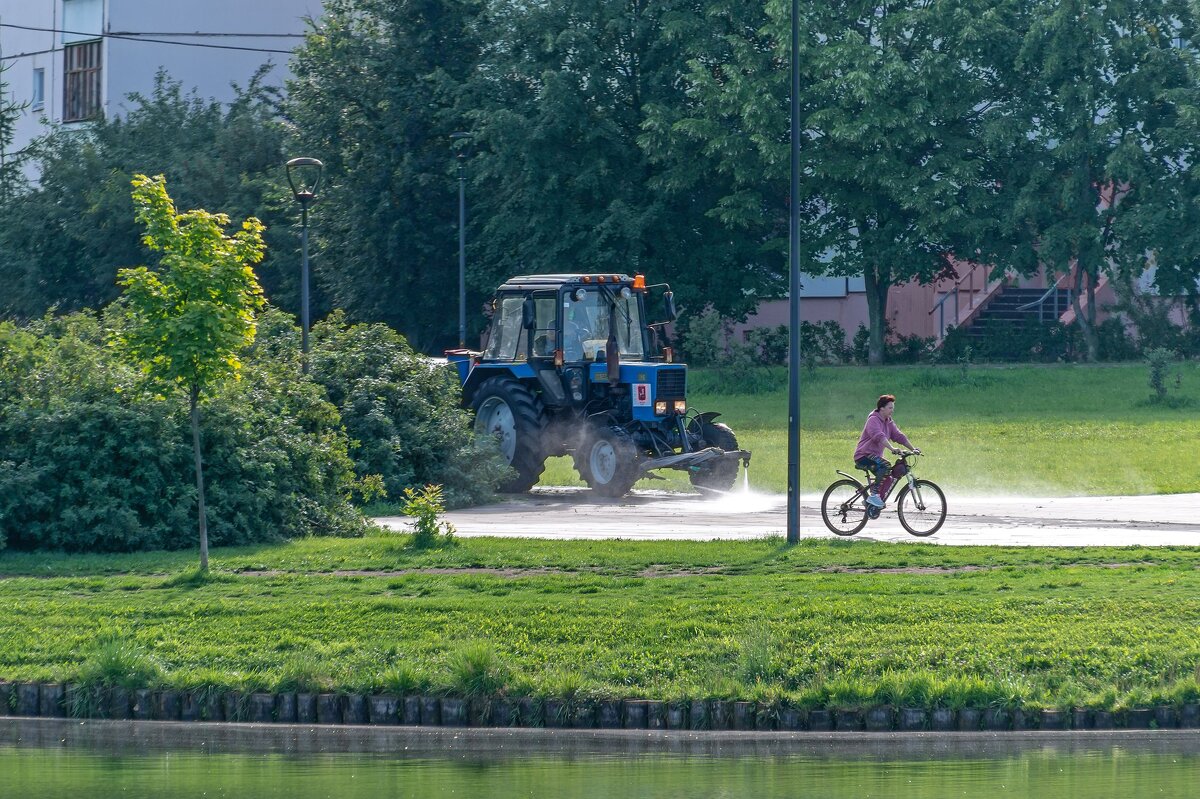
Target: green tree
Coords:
[(581, 167), (376, 94), (189, 320), (896, 172), (10, 162), (63, 239), (1107, 97)]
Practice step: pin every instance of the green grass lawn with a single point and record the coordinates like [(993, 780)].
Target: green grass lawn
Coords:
[(830, 623), (1042, 430), (834, 623)]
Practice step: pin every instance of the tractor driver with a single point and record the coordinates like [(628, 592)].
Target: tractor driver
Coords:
[(576, 331)]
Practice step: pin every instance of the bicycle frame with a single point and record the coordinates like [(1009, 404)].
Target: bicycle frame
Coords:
[(909, 477)]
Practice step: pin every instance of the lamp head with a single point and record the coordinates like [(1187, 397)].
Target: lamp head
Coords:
[(304, 176)]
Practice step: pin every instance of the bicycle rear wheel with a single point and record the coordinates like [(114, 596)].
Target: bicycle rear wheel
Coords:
[(921, 508), (844, 507)]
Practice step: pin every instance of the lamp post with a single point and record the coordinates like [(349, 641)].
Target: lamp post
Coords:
[(793, 472), (304, 176), (462, 240)]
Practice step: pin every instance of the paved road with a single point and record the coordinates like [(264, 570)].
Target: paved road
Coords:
[(1172, 519)]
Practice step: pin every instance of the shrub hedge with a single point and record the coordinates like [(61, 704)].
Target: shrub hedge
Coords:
[(91, 460)]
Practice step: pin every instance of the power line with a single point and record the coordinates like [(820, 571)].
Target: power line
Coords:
[(139, 38), (211, 33)]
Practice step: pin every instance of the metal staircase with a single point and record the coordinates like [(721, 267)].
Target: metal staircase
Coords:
[(1014, 308)]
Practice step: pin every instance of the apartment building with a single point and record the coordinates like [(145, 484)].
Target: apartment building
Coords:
[(75, 60)]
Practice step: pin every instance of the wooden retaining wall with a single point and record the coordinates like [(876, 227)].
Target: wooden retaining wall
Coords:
[(56, 700)]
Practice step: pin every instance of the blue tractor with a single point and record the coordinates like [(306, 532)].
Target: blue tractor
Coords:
[(571, 367)]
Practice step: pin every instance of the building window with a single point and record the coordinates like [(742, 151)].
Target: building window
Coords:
[(38, 100), (81, 90)]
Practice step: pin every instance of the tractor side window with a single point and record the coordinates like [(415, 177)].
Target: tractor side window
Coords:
[(544, 332), (507, 341)]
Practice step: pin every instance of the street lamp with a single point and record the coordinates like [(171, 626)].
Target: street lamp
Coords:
[(304, 176), (462, 240)]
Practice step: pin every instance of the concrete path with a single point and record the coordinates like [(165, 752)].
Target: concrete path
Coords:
[(1162, 520)]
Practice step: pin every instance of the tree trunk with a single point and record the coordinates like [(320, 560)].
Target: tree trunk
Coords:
[(877, 297), (195, 413), (1086, 322)]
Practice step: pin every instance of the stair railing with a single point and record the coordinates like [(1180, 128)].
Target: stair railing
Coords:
[(1060, 304), (969, 278)]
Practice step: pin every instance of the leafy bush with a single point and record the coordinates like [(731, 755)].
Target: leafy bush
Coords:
[(93, 461), (404, 412), (704, 339), (425, 505), (1163, 377), (770, 344), (824, 342)]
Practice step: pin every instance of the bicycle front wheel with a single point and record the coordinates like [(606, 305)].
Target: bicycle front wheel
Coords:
[(921, 508), (844, 507)]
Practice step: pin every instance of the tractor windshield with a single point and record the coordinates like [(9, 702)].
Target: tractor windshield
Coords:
[(589, 316)]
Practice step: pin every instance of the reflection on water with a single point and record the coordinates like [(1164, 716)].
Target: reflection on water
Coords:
[(1102, 770)]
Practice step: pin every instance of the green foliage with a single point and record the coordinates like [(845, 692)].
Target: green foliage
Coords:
[(402, 679), (190, 318), (63, 239), (93, 461), (704, 338), (11, 178), (824, 343), (1160, 361), (475, 670), (403, 410), (757, 657), (376, 91), (304, 671), (425, 505), (769, 344), (116, 661)]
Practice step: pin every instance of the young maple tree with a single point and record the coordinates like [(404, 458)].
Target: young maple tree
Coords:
[(189, 318)]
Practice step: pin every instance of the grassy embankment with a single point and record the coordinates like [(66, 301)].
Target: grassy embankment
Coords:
[(827, 623), (830, 622), (1038, 430)]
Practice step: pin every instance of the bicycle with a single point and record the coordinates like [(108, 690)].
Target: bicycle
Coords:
[(921, 505)]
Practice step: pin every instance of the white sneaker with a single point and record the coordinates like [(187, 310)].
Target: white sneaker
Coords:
[(874, 501)]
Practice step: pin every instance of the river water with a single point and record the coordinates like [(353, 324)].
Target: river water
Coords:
[(108, 763)]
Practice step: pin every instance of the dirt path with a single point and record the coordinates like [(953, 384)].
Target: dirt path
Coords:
[(1162, 520)]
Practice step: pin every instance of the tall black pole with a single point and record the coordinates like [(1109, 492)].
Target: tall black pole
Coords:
[(793, 477), (304, 283), (462, 255)]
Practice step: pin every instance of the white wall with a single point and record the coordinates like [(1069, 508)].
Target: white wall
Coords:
[(129, 65), (44, 53)]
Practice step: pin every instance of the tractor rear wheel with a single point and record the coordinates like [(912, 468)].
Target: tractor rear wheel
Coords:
[(716, 475), (512, 414), (607, 461)]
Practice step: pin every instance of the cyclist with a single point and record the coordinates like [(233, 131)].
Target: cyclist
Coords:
[(868, 455)]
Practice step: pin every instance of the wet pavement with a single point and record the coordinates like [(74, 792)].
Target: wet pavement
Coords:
[(1156, 520)]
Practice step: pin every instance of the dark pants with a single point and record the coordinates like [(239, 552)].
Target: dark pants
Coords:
[(880, 468)]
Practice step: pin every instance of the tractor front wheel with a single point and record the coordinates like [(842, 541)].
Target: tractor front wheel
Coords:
[(513, 415), (715, 475), (607, 461)]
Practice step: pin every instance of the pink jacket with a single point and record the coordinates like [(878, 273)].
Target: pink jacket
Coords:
[(875, 435)]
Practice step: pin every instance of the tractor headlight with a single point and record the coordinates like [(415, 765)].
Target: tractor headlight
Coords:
[(681, 407), (660, 408), (574, 383)]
